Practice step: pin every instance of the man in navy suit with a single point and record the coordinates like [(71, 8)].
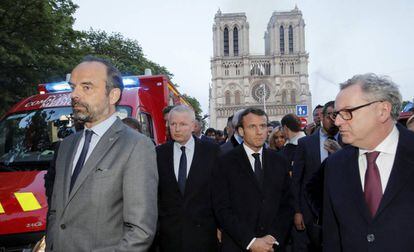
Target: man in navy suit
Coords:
[(310, 153), (251, 195), (368, 199), (186, 218)]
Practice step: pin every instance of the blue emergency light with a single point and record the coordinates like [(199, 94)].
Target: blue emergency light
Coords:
[(55, 87), (130, 81)]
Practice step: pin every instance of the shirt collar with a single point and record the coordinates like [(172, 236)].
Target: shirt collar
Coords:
[(388, 145), (103, 126), (238, 138), (249, 151), (189, 145), (295, 139), (324, 135)]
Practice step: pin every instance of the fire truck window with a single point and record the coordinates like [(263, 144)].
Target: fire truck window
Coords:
[(31, 137), (146, 124)]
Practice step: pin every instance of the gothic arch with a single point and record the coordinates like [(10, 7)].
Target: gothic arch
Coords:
[(226, 44), (227, 99)]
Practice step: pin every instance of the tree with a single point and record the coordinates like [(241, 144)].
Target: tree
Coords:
[(126, 54), (38, 44), (195, 104)]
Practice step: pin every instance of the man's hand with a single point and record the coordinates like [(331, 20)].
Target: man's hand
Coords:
[(331, 146), (298, 221), (263, 244), (219, 235)]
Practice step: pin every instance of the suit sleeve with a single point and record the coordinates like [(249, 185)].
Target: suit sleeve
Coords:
[(297, 177), (140, 185), (282, 223), (227, 220), (331, 237)]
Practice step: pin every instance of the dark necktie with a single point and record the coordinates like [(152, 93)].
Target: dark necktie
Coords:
[(182, 170), (82, 158), (373, 187), (258, 171)]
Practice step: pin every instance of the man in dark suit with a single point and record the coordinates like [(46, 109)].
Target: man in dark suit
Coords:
[(368, 195), (310, 152), (186, 216), (251, 195), (235, 139)]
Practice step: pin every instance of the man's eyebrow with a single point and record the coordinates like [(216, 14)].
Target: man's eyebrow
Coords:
[(84, 83)]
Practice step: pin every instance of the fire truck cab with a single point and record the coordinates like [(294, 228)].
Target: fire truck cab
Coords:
[(29, 133)]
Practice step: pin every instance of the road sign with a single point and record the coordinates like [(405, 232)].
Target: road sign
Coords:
[(302, 110)]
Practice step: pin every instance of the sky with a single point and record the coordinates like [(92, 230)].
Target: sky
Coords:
[(343, 38)]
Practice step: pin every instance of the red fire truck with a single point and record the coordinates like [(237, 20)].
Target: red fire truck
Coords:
[(29, 132)]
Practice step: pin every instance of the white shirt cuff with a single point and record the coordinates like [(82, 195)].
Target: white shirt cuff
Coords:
[(250, 244)]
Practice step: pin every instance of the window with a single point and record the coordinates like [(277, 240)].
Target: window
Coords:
[(227, 98), (146, 124), (292, 68), (284, 100), (282, 68), (290, 39), (236, 41), (226, 42), (293, 96), (282, 39), (237, 98)]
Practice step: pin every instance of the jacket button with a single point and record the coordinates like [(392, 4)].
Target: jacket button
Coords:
[(261, 228), (62, 226), (370, 237)]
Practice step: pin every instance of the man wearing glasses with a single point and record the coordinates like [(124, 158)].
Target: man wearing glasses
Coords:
[(368, 199)]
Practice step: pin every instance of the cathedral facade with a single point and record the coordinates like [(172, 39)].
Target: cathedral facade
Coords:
[(276, 81)]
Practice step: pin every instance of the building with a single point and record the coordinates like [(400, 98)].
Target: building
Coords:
[(276, 81)]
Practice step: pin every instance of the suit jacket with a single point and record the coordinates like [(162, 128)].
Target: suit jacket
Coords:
[(229, 145), (348, 225), (112, 205), (307, 162), (187, 222), (246, 210)]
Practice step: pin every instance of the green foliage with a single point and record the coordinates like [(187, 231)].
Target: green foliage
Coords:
[(126, 54), (37, 45)]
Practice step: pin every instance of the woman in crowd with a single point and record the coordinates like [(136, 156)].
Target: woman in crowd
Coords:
[(277, 139)]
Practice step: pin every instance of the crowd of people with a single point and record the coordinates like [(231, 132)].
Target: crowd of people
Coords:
[(341, 184)]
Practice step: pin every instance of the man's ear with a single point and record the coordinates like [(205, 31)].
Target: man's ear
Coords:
[(114, 95), (385, 108), (240, 130)]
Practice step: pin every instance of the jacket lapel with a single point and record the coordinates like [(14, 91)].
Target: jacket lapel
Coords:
[(69, 164), (246, 167), (401, 170), (194, 168), (103, 146), (316, 147), (354, 178)]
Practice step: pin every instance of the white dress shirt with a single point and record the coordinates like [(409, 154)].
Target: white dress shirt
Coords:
[(385, 160), (249, 153), (98, 131), (189, 153)]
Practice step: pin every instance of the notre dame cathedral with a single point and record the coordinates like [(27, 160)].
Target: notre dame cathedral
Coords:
[(276, 81)]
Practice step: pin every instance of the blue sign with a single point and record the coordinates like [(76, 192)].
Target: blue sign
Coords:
[(302, 110)]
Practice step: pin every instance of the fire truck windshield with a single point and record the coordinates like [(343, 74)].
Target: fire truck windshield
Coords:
[(29, 138)]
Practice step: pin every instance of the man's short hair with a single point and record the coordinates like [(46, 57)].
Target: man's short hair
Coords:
[(326, 106), (292, 122), (210, 130), (133, 123), (254, 111), (113, 76), (182, 109), (167, 110), (236, 119), (378, 88), (317, 107)]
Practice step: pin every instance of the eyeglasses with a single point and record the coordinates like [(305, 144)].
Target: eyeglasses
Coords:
[(346, 114)]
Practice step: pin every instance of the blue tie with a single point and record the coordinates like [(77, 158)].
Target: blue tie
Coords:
[(182, 170), (82, 157)]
